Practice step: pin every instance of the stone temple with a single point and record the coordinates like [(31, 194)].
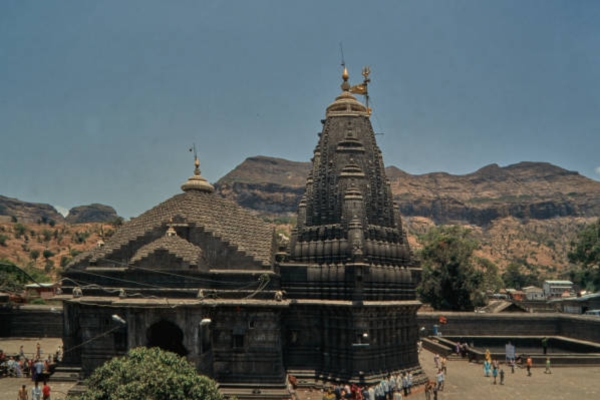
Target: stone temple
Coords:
[(200, 276)]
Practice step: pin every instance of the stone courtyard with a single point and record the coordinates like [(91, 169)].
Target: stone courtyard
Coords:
[(465, 381)]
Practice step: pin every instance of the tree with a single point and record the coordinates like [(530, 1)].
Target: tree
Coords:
[(450, 280), (47, 254), (34, 254), (585, 251), (19, 230), (148, 373), (514, 278)]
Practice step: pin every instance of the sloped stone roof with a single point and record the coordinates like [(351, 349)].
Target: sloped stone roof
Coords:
[(217, 216), (175, 245)]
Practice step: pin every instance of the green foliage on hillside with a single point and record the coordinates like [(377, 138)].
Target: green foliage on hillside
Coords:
[(585, 252), (515, 278), (450, 279), (14, 278)]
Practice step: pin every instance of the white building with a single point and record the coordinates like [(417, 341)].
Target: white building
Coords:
[(553, 289), (534, 293)]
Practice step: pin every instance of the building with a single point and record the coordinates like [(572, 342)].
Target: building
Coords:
[(197, 275), (577, 304), (534, 293), (553, 289)]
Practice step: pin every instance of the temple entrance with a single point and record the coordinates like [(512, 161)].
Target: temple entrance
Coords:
[(167, 336)]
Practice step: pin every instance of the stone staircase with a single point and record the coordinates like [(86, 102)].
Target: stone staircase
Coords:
[(67, 374)]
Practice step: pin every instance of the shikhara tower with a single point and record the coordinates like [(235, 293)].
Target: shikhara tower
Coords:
[(350, 268)]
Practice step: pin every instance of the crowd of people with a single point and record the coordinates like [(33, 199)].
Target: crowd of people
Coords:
[(33, 365), (394, 387)]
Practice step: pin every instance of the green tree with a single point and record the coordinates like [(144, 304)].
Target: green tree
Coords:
[(450, 280), (19, 230), (47, 254), (149, 374), (34, 254), (491, 278), (514, 278), (585, 252)]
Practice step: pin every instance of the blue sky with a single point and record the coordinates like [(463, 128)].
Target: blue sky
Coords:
[(101, 100)]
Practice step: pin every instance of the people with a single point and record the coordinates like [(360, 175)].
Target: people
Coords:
[(46, 391), (529, 365), (36, 392), (545, 344), (428, 389), (440, 381), (39, 370), (547, 371), (22, 394)]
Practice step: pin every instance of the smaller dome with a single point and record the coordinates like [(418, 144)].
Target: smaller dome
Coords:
[(345, 103), (197, 181)]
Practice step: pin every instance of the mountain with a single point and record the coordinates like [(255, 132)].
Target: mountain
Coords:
[(11, 209), (22, 211), (266, 185), (92, 213), (525, 190), (526, 213)]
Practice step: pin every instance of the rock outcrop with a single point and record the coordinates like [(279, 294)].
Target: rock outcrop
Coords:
[(528, 190), (22, 211), (91, 213)]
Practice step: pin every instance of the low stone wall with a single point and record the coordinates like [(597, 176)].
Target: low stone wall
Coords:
[(512, 324), (31, 321)]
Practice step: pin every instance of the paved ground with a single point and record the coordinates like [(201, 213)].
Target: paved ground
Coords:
[(10, 386), (466, 381)]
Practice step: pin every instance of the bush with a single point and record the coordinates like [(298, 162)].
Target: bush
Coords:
[(47, 254), (64, 261), (19, 230), (150, 374), (3, 239), (34, 254)]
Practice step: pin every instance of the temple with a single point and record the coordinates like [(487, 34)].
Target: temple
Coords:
[(200, 276), (350, 270)]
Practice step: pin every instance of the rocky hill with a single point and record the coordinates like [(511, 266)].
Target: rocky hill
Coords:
[(14, 209), (92, 213), (526, 213)]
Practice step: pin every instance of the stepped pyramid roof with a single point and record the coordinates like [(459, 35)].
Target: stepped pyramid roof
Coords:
[(198, 209)]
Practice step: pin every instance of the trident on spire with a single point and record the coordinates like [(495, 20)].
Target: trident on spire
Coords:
[(362, 88)]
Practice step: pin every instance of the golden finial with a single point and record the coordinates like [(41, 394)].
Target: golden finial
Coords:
[(196, 181), (197, 165), (345, 75), (196, 162)]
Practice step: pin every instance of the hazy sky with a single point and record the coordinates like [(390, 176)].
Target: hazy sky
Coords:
[(101, 100)]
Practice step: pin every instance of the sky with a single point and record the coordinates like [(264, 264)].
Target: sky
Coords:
[(100, 101)]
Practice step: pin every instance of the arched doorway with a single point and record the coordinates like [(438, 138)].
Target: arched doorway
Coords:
[(167, 336)]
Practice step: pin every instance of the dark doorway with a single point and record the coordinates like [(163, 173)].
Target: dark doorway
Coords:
[(167, 336)]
